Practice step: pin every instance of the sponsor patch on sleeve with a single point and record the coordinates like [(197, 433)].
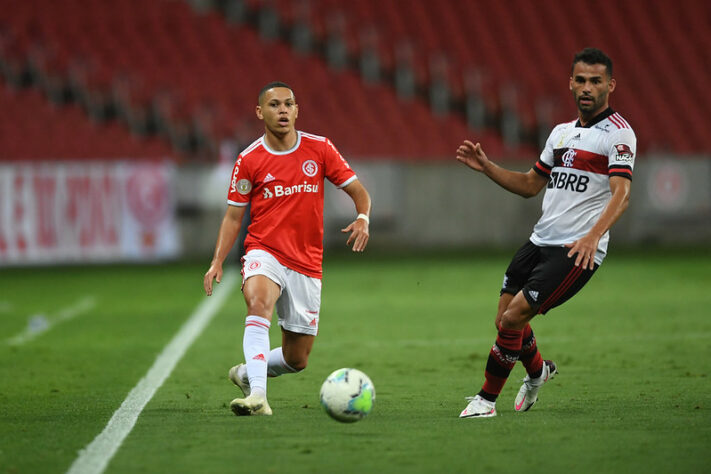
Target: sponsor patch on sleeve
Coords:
[(624, 152), (244, 186)]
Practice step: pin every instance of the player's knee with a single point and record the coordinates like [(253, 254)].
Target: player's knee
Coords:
[(297, 363), (516, 318), (259, 306)]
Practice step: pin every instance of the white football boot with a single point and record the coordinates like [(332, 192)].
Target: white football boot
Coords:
[(255, 404), (478, 408), (528, 394), (241, 382)]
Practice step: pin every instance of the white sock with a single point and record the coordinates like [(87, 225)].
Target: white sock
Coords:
[(256, 350), (277, 365)]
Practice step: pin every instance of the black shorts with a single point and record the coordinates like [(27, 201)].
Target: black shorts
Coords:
[(546, 275)]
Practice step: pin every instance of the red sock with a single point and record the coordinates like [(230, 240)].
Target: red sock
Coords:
[(530, 357), (502, 358)]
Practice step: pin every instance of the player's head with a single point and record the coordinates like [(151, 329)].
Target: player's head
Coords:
[(272, 85), (277, 107), (591, 82), (593, 56)]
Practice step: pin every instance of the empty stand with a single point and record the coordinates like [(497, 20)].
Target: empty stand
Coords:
[(191, 78), (35, 129)]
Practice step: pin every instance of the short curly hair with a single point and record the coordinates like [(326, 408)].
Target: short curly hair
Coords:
[(593, 56)]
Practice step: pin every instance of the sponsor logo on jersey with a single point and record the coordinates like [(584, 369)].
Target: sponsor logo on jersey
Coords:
[(233, 185), (576, 137), (624, 152), (310, 168), (605, 128), (280, 190), (269, 178), (577, 183), (244, 186), (533, 294), (568, 158)]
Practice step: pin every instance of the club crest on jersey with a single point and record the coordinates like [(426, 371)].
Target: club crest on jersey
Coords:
[(568, 158), (310, 168), (624, 152), (244, 186)]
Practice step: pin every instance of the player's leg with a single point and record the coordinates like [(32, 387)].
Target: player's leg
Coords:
[(530, 356), (507, 348), (513, 314), (502, 357), (261, 292), (504, 301), (552, 283), (298, 311), (295, 351)]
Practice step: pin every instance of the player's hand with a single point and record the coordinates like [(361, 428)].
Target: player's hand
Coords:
[(472, 155), (359, 234), (214, 273), (584, 250)]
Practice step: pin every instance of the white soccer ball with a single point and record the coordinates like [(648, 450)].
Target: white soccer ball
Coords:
[(347, 395)]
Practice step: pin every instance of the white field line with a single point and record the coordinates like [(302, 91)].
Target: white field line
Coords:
[(39, 324), (95, 457)]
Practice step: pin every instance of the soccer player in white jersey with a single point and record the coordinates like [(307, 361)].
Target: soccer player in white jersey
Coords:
[(282, 176), (586, 168)]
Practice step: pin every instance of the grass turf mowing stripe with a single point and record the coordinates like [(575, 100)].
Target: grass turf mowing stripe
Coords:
[(95, 457)]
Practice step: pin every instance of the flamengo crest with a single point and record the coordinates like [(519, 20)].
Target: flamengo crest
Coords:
[(568, 158)]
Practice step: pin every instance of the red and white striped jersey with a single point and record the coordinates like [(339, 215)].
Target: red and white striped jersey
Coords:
[(285, 189), (578, 162)]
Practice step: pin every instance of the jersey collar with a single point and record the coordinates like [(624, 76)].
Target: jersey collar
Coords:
[(598, 118), (285, 152)]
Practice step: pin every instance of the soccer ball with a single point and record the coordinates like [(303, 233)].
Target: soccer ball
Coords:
[(347, 395)]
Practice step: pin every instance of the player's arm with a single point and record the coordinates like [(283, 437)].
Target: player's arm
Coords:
[(524, 184), (586, 246), (229, 230), (359, 227)]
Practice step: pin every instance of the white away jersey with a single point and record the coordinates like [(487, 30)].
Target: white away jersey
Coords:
[(578, 162)]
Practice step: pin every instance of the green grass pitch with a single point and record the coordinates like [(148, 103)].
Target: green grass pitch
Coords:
[(633, 394)]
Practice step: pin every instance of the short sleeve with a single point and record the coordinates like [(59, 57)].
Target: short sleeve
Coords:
[(240, 190), (621, 152), (338, 171)]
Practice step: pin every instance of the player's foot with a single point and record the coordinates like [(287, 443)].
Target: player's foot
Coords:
[(252, 405), (241, 382), (479, 407), (528, 394)]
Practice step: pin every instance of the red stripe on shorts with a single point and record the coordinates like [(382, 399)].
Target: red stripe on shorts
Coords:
[(562, 288)]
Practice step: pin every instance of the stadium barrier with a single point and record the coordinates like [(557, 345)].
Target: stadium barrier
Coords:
[(70, 212), (134, 211)]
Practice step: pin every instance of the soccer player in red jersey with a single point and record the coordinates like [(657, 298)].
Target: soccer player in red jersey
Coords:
[(282, 176), (586, 168)]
